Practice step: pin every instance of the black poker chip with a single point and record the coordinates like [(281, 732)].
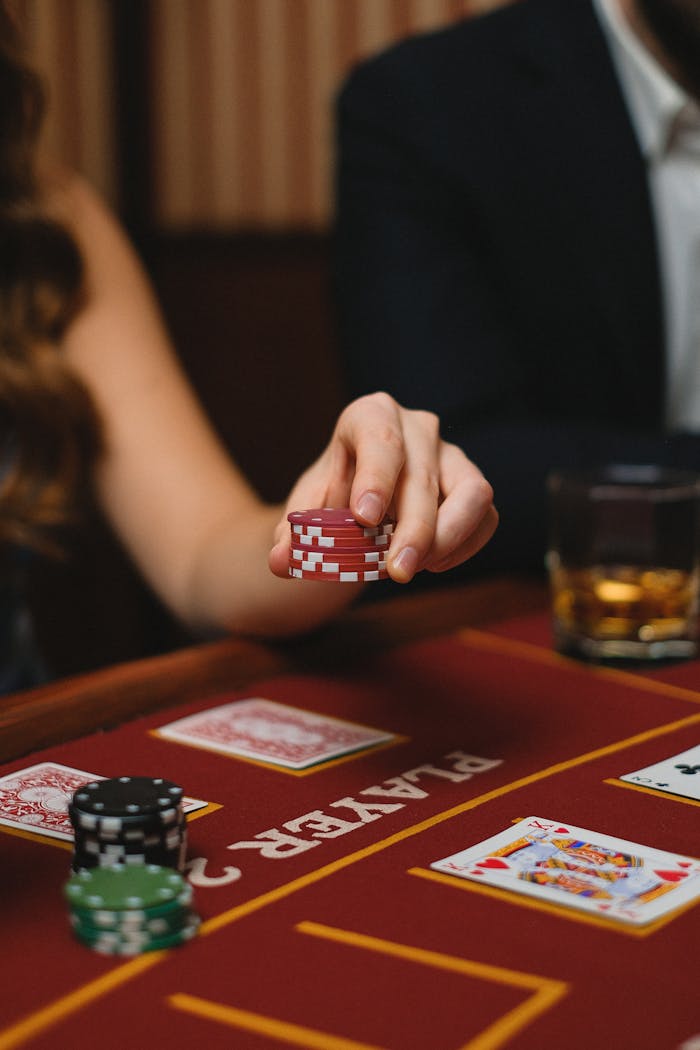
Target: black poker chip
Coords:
[(128, 893), (94, 854), (128, 821), (128, 797)]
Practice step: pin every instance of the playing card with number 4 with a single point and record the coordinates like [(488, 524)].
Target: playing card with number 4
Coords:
[(566, 865)]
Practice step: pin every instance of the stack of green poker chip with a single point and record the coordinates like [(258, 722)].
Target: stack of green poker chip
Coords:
[(129, 910)]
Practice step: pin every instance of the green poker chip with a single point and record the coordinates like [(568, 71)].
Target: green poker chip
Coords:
[(153, 927), (114, 943), (105, 919), (118, 889)]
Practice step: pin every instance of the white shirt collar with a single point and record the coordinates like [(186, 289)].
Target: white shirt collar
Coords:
[(657, 103)]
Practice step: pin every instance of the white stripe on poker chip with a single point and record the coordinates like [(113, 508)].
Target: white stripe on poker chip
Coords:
[(339, 577), (356, 577), (333, 566), (341, 541), (322, 558), (323, 515), (337, 567), (367, 532)]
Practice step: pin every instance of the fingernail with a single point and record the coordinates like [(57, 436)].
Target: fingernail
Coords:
[(406, 561), (370, 507)]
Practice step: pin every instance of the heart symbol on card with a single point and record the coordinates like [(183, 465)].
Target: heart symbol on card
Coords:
[(562, 831), (684, 863), (492, 862), (671, 876)]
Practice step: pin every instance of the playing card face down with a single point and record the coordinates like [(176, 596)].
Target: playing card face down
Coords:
[(272, 732), (36, 799), (576, 868), (677, 775)]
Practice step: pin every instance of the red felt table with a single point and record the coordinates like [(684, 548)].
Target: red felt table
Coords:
[(351, 941)]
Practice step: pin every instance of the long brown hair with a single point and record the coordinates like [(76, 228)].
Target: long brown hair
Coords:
[(49, 434)]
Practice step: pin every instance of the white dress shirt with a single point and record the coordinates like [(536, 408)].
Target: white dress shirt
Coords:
[(667, 123)]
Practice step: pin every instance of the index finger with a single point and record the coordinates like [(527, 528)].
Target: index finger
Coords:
[(371, 431)]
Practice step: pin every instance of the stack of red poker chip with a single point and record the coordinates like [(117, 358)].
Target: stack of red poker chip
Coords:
[(328, 545)]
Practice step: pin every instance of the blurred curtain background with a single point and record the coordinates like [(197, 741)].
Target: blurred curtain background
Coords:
[(207, 124), (229, 100)]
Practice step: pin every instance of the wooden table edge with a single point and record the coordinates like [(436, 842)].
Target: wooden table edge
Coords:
[(71, 707)]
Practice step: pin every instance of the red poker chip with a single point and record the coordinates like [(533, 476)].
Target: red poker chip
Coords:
[(328, 517), (322, 516), (338, 577), (338, 566), (359, 531), (368, 558), (353, 563), (341, 543)]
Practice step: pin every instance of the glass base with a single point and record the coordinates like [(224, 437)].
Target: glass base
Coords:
[(629, 649)]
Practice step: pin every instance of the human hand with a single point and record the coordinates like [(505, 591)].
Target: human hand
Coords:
[(386, 459)]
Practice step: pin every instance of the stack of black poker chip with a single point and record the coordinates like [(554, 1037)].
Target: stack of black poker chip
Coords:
[(128, 821)]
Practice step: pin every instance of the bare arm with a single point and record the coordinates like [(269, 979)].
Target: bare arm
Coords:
[(198, 532)]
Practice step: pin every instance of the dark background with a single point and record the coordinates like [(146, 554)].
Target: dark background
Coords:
[(250, 316)]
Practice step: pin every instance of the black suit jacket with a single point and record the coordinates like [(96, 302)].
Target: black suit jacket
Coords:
[(496, 259)]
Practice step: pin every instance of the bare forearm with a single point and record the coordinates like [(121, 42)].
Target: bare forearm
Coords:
[(231, 586)]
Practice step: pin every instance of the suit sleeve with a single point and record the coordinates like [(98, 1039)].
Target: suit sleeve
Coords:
[(421, 315), (416, 310)]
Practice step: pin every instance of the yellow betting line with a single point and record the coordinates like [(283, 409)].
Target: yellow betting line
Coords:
[(550, 658), (320, 767), (34, 836), (58, 1010), (547, 991), (239, 911), (667, 795), (568, 914), (15, 1034), (283, 1031)]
